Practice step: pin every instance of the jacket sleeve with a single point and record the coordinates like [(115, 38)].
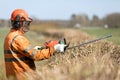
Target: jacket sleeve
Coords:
[(22, 45)]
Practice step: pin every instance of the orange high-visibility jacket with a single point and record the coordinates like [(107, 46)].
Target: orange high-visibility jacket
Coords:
[(20, 55)]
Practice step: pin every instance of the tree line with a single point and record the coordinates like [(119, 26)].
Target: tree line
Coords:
[(82, 20), (111, 20)]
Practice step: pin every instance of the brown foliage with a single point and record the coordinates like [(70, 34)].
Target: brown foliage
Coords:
[(112, 20)]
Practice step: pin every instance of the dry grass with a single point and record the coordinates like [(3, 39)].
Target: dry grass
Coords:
[(96, 61)]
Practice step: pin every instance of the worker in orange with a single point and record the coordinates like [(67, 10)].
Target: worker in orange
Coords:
[(19, 54)]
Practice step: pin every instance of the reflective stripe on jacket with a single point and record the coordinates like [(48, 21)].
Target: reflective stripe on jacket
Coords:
[(20, 55)]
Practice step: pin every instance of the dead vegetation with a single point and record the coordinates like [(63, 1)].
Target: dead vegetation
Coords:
[(96, 61)]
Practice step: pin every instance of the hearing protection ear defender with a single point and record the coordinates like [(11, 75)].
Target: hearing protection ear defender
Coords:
[(16, 22)]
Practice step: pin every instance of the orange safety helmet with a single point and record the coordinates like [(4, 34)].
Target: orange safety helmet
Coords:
[(23, 15)]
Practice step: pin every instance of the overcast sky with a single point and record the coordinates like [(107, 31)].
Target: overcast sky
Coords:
[(59, 9)]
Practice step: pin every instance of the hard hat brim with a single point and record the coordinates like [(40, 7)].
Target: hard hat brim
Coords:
[(29, 19)]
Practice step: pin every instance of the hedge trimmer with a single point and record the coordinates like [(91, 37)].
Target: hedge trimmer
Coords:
[(83, 43)]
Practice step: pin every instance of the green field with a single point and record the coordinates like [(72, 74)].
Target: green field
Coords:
[(3, 32), (97, 32)]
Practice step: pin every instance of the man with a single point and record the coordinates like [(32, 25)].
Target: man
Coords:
[(18, 53)]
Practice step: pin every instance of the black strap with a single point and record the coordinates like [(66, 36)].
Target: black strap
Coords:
[(17, 59)]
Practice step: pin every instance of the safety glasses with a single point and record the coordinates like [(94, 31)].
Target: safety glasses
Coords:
[(26, 22)]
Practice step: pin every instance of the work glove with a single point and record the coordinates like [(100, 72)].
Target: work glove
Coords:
[(59, 45)]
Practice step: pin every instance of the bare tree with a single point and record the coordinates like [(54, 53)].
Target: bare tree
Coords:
[(81, 19), (112, 20)]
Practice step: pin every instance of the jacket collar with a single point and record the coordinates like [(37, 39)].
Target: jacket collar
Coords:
[(18, 31)]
